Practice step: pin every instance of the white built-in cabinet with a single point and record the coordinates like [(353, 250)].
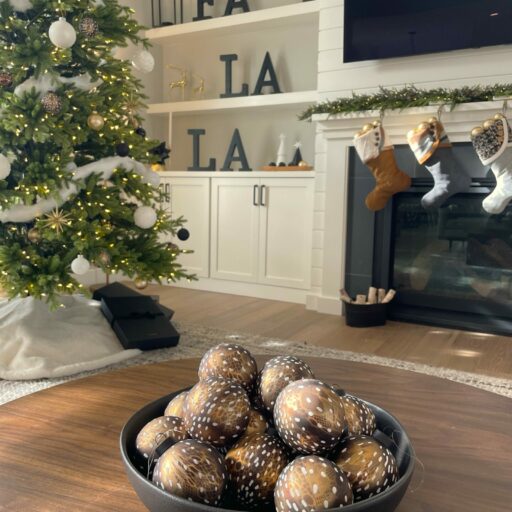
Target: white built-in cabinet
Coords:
[(254, 230)]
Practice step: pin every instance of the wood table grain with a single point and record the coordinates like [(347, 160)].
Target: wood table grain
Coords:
[(59, 447)]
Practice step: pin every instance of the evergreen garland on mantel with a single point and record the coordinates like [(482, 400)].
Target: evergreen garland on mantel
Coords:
[(407, 97)]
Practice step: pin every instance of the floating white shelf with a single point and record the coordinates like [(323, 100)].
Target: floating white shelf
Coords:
[(237, 174), (275, 17), (287, 99)]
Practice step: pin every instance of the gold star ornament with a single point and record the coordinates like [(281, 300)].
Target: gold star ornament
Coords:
[(56, 220)]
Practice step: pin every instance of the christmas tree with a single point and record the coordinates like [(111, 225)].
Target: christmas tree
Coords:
[(76, 189)]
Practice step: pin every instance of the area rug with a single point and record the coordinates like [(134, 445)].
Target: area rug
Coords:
[(196, 340)]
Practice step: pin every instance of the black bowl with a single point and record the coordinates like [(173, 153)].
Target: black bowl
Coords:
[(389, 432)]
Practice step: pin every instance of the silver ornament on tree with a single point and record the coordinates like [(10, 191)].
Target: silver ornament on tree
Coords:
[(145, 217), (80, 265), (52, 103), (143, 61), (88, 26), (62, 34)]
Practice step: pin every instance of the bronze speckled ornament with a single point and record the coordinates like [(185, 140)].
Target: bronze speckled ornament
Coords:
[(157, 431), (309, 416), (312, 483), (370, 467), (192, 470), (52, 103), (254, 464), (88, 26), (277, 373), (176, 407), (5, 79), (359, 418), (217, 411), (257, 423), (229, 361)]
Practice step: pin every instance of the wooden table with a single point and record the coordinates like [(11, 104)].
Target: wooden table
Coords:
[(59, 447)]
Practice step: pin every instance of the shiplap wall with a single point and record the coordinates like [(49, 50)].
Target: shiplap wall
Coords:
[(335, 79)]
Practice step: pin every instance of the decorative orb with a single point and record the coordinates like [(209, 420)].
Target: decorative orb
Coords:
[(145, 217), (477, 131), (80, 265), (34, 235), (309, 416), (62, 34), (88, 26), (257, 423), (231, 362), (359, 418), (303, 163), (183, 234), (140, 283), (254, 464), (433, 120), (376, 123), (277, 373), (489, 123), (370, 467), (5, 167), (367, 127), (140, 131), (499, 116), (217, 411), (156, 432), (192, 470), (122, 149), (5, 79), (272, 164), (312, 483), (424, 126), (176, 407), (104, 258), (52, 103), (157, 167), (143, 61), (95, 122), (282, 164)]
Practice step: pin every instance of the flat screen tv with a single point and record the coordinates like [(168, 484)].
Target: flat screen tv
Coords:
[(380, 29)]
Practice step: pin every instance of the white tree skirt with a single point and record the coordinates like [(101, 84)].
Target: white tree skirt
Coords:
[(38, 343)]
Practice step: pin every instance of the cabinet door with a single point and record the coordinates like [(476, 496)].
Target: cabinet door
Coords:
[(286, 228), (234, 229), (190, 198)]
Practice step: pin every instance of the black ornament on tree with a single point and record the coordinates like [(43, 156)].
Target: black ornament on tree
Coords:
[(123, 149), (183, 234), (140, 131), (88, 26), (52, 103), (162, 151)]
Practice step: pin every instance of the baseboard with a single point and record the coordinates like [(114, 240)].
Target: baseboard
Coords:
[(327, 305), (246, 289)]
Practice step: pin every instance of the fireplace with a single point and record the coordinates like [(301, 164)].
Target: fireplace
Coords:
[(451, 267)]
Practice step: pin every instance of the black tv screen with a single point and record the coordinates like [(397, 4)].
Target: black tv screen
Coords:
[(378, 29)]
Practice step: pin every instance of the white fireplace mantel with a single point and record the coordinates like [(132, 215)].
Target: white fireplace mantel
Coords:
[(335, 135)]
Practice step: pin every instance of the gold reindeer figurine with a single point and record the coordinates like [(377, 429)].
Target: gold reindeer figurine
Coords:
[(181, 83)]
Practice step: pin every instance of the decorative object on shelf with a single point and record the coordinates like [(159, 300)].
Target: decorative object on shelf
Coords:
[(56, 220), (267, 68), (140, 283), (62, 34), (166, 12), (80, 265), (492, 143), (198, 91), (407, 97), (52, 103), (34, 235), (281, 151), (145, 217), (196, 158), (235, 146), (192, 470), (143, 61), (122, 149), (154, 433), (95, 122), (162, 151), (230, 6), (5, 79), (88, 26), (181, 83), (377, 153), (370, 467), (318, 479), (183, 234), (5, 167), (297, 157), (433, 149)]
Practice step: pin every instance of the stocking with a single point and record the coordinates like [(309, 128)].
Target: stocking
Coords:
[(494, 147), (372, 148), (432, 148)]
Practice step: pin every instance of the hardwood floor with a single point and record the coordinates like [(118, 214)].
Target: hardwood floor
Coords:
[(466, 351)]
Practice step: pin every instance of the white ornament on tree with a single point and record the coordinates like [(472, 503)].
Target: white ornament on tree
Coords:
[(5, 167), (143, 61), (145, 217), (62, 34), (281, 152), (80, 265)]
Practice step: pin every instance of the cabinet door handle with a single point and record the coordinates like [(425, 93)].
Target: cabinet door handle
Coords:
[(263, 195), (254, 198)]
